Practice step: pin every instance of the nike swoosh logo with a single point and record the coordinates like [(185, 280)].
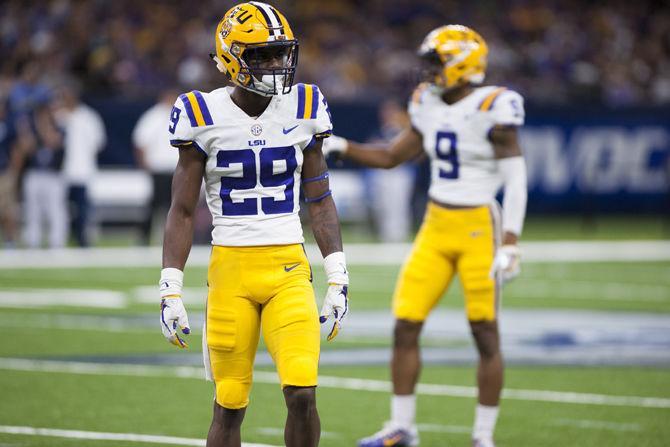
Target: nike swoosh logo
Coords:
[(289, 268), (290, 129)]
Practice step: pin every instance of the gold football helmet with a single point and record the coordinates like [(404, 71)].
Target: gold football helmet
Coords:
[(256, 49), (454, 55)]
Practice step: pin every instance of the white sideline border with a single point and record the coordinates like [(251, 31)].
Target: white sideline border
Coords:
[(367, 254), (103, 436), (348, 383)]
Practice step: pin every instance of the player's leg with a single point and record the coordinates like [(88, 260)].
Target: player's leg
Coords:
[(225, 428), (232, 340), (32, 202), (482, 299), (232, 331), (147, 223), (489, 380), (303, 426), (79, 201), (290, 323), (406, 360), (8, 209), (422, 282), (57, 211)]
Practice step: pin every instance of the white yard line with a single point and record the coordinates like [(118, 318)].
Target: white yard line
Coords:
[(598, 425), (128, 437), (63, 297), (354, 384), (370, 254), (579, 289), (190, 295)]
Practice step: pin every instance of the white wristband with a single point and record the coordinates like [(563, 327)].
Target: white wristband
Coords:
[(171, 283), (335, 265)]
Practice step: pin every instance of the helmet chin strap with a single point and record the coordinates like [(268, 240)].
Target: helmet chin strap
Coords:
[(266, 84), (219, 63)]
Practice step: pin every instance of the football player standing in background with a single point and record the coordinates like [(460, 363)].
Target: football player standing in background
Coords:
[(470, 134), (255, 145)]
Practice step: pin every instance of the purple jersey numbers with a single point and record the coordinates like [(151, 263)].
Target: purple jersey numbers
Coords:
[(277, 168)]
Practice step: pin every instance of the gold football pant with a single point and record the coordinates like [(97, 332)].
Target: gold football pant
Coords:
[(451, 241), (251, 288)]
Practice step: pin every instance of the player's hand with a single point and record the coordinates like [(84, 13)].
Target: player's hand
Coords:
[(507, 262), (334, 145), (337, 305), (173, 314)]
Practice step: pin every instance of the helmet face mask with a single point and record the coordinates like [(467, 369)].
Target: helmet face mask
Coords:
[(269, 67), (256, 49)]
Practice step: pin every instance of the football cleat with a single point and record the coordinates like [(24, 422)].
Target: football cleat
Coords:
[(392, 435), (482, 443), (454, 55), (249, 35)]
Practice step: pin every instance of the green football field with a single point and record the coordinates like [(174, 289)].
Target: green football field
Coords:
[(101, 373)]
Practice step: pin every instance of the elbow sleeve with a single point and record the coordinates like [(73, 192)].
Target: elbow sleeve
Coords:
[(513, 171)]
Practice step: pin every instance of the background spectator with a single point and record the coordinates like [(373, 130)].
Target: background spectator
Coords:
[(9, 172), (153, 153), (84, 138), (43, 185)]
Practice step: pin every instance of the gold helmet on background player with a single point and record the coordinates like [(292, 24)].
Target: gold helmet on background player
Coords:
[(250, 37), (454, 55)]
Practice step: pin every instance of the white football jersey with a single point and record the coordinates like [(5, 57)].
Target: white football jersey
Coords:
[(254, 165), (464, 170)]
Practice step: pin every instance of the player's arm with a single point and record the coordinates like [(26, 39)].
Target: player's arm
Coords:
[(406, 146), (326, 228), (177, 241), (186, 182), (505, 141), (322, 212)]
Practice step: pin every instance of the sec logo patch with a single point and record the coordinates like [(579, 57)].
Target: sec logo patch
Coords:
[(256, 130)]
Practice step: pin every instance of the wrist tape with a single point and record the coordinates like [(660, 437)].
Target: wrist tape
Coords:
[(171, 282), (335, 265)]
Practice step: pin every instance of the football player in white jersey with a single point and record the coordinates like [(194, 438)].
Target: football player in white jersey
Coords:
[(255, 145), (470, 134)]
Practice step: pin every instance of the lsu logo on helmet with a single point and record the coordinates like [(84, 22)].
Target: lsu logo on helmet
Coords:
[(256, 49), (454, 55)]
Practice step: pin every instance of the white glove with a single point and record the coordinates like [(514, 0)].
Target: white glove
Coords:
[(334, 145), (507, 263), (336, 302), (173, 312)]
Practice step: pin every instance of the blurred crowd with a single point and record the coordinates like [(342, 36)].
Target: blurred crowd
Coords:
[(553, 51), (49, 142)]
